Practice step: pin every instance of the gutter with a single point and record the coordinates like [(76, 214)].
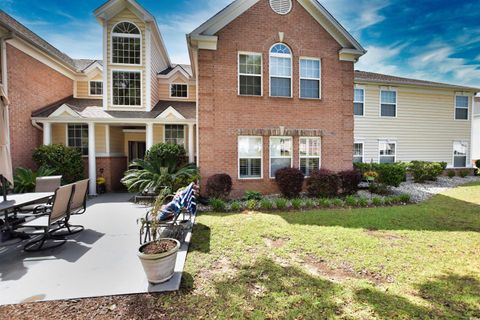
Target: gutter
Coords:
[(3, 46)]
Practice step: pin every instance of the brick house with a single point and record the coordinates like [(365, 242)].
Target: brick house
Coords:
[(282, 94)]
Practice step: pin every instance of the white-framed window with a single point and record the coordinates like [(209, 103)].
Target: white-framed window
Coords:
[(250, 157), (387, 152), (126, 44), (95, 88), (388, 103), (359, 102), (281, 71), (178, 90), (250, 70), (281, 151), (310, 154), (310, 78), (460, 149), (77, 137), (461, 107), (126, 88), (175, 134), (358, 154)]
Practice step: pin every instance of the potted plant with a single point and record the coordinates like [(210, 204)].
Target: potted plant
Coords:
[(159, 256)]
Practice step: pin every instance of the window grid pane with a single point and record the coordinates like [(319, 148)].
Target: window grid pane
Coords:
[(461, 108), (358, 152), (250, 157), (179, 90), (281, 150), (78, 137), (250, 74), (387, 152), (310, 151), (280, 71), (126, 50), (175, 134), (126, 88), (96, 88)]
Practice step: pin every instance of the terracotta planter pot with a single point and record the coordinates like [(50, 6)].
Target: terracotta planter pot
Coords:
[(160, 267)]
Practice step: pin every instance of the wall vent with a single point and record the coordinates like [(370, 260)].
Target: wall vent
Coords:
[(281, 6)]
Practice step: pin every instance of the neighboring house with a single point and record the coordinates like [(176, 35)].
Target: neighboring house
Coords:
[(476, 130), (271, 84)]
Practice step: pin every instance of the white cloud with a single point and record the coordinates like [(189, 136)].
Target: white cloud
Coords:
[(377, 59)]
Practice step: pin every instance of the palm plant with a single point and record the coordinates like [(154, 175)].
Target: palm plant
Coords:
[(25, 179), (152, 176)]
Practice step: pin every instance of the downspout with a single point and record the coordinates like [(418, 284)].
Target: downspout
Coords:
[(36, 125), (3, 46)]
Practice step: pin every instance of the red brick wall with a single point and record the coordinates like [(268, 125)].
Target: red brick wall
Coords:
[(31, 86), (222, 111), (114, 169)]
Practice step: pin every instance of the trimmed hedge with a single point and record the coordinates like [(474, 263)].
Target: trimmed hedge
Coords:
[(425, 171), (167, 155), (219, 186), (62, 160), (392, 174), (323, 184), (349, 181), (290, 181)]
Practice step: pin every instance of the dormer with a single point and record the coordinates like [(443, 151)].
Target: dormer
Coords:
[(89, 84), (177, 84), (133, 54)]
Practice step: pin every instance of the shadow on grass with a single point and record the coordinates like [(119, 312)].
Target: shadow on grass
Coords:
[(441, 213), (450, 297), (200, 238)]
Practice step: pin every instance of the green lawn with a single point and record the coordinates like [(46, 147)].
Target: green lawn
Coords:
[(420, 261)]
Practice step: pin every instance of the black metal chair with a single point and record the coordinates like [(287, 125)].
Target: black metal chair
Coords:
[(51, 217)]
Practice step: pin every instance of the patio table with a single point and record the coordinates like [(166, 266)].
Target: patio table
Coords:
[(16, 201)]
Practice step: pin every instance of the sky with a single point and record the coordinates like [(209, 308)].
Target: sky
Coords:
[(437, 40)]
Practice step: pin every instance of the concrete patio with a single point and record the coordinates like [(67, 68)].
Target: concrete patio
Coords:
[(100, 261)]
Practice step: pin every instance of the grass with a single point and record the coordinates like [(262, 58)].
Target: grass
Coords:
[(405, 262), (419, 261)]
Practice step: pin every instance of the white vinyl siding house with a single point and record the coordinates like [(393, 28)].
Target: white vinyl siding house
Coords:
[(424, 127)]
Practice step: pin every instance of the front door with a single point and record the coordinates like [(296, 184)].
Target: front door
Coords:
[(136, 150)]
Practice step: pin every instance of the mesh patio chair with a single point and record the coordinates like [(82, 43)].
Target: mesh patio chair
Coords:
[(78, 206), (53, 216), (43, 184)]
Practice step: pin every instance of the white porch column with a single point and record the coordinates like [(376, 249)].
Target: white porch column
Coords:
[(47, 133), (92, 160), (191, 143), (149, 136)]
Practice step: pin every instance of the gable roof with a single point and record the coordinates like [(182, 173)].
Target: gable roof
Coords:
[(387, 79), (212, 26), (183, 68)]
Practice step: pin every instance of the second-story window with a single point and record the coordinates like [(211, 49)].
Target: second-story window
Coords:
[(359, 102), (126, 44), (178, 90), (96, 88), (309, 78), (388, 103), (461, 107), (127, 88), (250, 74), (280, 71)]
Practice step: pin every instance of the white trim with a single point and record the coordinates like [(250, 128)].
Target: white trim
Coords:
[(134, 130), (388, 89), (90, 88), (283, 56), (300, 78), (148, 69), (170, 111), (455, 107), (123, 107), (4, 66), (105, 70), (279, 157), (281, 13), (107, 139), (133, 121), (125, 35), (300, 157), (467, 158), (363, 149), (261, 158), (164, 138), (64, 109), (357, 87), (178, 84), (177, 69), (250, 75), (387, 141)]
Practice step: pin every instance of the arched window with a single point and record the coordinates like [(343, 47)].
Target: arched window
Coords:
[(280, 71), (126, 43)]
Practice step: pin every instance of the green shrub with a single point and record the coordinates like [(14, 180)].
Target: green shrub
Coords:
[(363, 202), (25, 179), (349, 181), (266, 204), (252, 205), (236, 206), (296, 203), (392, 174), (376, 201), (252, 195), (324, 202), (389, 201), (63, 160), (323, 183), (337, 202), (281, 203), (464, 173), (289, 181), (218, 205), (309, 203), (405, 198), (425, 171), (378, 188), (351, 201), (167, 155), (444, 165), (451, 173), (219, 186)]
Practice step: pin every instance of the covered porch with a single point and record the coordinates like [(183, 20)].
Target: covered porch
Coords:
[(109, 141)]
